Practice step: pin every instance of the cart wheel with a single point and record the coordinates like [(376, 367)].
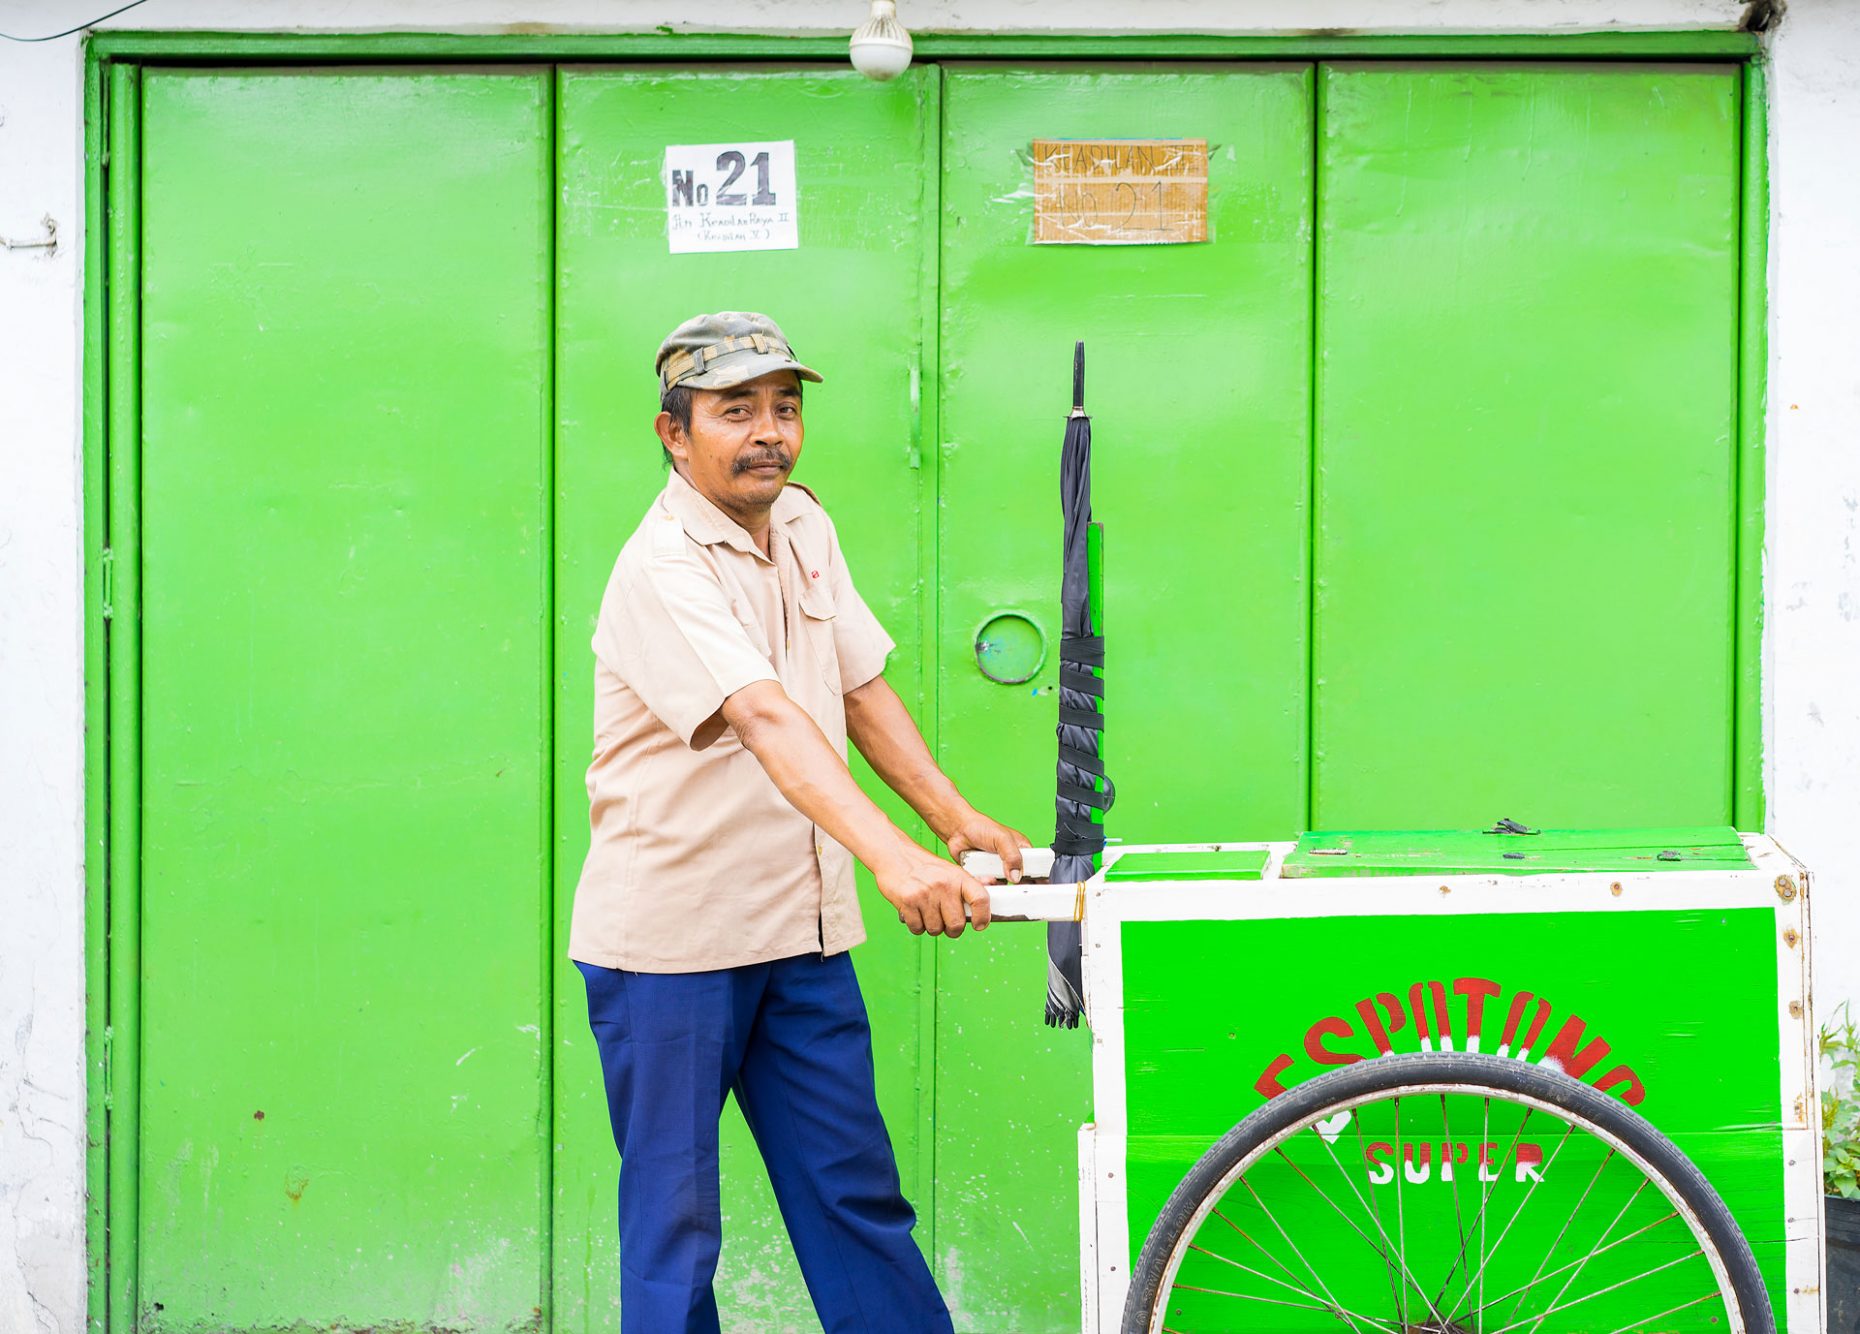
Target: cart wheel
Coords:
[(1448, 1193)]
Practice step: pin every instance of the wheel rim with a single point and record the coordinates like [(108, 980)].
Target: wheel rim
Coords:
[(1445, 1208)]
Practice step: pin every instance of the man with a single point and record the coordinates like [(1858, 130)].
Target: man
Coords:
[(733, 659)]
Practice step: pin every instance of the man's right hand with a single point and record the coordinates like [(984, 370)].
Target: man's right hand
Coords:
[(931, 895)]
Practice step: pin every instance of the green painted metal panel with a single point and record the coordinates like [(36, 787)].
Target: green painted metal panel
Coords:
[(123, 1037), (344, 453), (1701, 1040), (1524, 454), (849, 299), (1525, 497), (1197, 358), (1752, 401), (1396, 852)]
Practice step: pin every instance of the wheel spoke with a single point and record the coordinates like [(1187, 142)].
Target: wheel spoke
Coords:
[(1375, 1208), (1337, 1311), (1570, 1281), (1693, 1254), (1321, 1304), (1563, 1231), (1485, 1196), (1485, 1261), (1459, 1220), (1407, 1275), (1401, 1222), (1335, 1206), (1661, 1315), (1260, 1247), (1329, 1296), (1567, 1266)]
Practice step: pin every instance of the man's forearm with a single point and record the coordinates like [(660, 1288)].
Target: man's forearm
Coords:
[(807, 770), (882, 728)]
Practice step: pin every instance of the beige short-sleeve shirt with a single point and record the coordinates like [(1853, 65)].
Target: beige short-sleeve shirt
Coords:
[(695, 859)]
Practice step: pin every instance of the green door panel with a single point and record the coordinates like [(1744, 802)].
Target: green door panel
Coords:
[(1524, 457), (1198, 360), (344, 456), (851, 300)]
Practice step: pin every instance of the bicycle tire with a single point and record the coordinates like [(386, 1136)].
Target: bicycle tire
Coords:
[(1196, 1195)]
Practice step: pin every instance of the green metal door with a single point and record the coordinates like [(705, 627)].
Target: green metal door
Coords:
[(345, 919), (1418, 482), (1525, 450), (1198, 362), (853, 299)]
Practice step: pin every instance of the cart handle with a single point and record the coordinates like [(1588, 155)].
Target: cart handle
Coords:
[(1033, 898)]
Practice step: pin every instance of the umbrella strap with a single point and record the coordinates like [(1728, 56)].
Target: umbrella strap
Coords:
[(1081, 650), (1083, 682), (1088, 796)]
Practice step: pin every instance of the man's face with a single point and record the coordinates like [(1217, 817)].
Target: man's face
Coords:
[(743, 442)]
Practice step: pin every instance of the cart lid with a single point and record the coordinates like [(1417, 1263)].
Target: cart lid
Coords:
[(1190, 864), (1504, 851)]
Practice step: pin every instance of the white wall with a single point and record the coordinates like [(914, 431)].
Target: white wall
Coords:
[(1812, 664)]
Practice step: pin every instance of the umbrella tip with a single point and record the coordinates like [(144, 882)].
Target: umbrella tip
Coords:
[(1078, 376)]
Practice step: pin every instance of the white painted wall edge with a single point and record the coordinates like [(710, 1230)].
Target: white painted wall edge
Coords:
[(827, 17), (1812, 565)]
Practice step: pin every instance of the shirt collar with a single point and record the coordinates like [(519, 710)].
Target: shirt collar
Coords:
[(710, 525)]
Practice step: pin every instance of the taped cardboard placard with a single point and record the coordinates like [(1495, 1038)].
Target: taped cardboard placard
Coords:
[(1120, 191)]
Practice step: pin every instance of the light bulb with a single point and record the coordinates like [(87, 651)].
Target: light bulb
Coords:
[(881, 48)]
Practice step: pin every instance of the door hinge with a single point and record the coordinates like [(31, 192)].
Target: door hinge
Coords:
[(109, 1082), (109, 583)]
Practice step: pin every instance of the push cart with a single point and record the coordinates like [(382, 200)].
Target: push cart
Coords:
[(1499, 1082)]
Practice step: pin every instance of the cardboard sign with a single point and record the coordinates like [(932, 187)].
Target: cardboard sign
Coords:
[(1120, 191), (731, 197)]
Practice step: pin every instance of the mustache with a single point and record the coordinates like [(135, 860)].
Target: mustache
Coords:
[(779, 457)]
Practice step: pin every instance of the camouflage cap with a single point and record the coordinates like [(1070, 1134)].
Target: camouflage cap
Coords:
[(723, 350)]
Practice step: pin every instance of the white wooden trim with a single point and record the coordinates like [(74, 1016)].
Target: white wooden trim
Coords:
[(1088, 1227), (1805, 1302), (1104, 1009)]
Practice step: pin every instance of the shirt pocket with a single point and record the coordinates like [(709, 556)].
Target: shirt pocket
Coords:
[(817, 623)]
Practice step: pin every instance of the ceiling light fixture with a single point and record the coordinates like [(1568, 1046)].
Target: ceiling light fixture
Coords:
[(881, 48)]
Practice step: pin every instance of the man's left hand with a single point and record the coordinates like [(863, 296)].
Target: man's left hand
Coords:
[(976, 831)]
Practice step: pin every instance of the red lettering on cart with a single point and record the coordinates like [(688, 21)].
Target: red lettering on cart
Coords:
[(1268, 1085), (1477, 991), (1563, 1051), (1409, 1157), (1442, 1027), (1529, 1159), (1431, 1005), (1381, 1171), (1634, 1092), (1519, 1003), (1377, 1033), (1317, 1051)]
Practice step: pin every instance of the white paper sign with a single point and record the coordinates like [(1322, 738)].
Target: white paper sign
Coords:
[(731, 197)]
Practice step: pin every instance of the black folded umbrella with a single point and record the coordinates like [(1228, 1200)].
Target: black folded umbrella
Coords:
[(1083, 786)]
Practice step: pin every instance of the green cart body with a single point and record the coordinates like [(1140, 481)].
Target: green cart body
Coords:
[(1666, 968)]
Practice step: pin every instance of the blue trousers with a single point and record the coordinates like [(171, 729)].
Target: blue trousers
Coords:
[(791, 1040)]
